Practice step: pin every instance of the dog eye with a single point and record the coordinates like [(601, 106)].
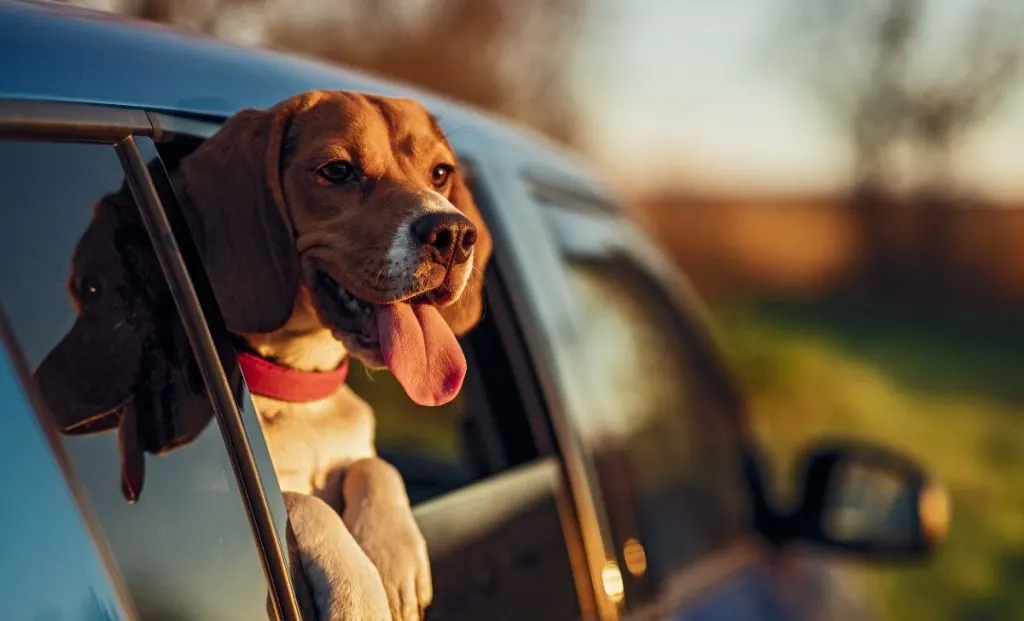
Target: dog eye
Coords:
[(89, 288), (441, 174), (337, 172)]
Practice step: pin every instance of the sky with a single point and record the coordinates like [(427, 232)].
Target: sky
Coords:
[(695, 94), (689, 92)]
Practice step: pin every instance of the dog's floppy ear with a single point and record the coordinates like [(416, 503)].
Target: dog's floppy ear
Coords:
[(465, 314), (235, 203)]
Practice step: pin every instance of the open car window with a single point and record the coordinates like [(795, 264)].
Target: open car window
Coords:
[(490, 505), (488, 494)]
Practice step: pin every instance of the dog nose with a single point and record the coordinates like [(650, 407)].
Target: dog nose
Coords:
[(451, 236)]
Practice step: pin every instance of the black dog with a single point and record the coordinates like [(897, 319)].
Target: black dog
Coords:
[(126, 362)]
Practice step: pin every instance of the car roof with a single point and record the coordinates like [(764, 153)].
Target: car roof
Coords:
[(57, 52)]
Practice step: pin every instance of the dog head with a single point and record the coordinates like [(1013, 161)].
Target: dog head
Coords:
[(351, 210), (125, 363)]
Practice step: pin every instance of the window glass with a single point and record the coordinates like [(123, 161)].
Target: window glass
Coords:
[(673, 460), (52, 540), (99, 330)]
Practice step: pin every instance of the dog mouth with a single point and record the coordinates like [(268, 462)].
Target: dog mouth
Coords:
[(353, 320), (408, 336)]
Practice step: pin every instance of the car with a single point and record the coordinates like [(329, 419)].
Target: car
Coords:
[(598, 464)]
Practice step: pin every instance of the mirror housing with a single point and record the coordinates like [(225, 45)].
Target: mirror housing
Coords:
[(868, 501)]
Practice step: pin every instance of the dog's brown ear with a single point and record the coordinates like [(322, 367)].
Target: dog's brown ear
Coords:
[(234, 197), (465, 314)]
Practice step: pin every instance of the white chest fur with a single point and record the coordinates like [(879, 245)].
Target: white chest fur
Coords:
[(312, 443)]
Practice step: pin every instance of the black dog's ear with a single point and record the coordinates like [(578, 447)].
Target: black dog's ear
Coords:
[(168, 406), (465, 314), (170, 401), (232, 189), (169, 398)]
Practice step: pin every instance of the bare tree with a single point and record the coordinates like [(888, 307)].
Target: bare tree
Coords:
[(863, 62), (510, 57)]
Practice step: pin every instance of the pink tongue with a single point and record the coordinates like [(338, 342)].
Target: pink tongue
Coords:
[(421, 351)]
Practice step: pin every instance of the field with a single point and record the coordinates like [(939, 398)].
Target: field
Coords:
[(946, 389)]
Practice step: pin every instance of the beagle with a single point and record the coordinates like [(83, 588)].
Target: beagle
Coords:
[(338, 224), (333, 224)]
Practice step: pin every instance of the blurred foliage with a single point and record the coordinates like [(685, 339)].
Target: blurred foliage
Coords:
[(874, 71), (433, 432), (945, 390), (511, 58), (905, 96)]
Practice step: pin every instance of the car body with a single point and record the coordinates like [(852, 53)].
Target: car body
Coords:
[(598, 466)]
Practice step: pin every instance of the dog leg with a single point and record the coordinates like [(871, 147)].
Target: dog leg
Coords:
[(378, 514), (344, 584)]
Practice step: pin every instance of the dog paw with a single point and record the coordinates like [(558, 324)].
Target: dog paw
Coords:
[(339, 577), (396, 547), (386, 530)]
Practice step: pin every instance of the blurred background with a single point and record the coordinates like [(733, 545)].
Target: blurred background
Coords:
[(843, 181)]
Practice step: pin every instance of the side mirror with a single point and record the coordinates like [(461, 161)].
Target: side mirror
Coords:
[(868, 501)]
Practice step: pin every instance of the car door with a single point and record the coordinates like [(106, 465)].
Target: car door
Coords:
[(120, 363), (668, 440)]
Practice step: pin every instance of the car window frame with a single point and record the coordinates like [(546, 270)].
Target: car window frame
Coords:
[(598, 233), (120, 128)]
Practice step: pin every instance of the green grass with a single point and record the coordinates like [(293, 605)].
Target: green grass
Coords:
[(401, 424), (948, 390)]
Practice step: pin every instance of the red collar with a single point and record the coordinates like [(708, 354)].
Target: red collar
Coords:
[(269, 379)]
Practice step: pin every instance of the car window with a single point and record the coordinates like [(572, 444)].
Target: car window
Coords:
[(671, 469), (491, 507), (436, 449), (93, 315), (491, 538), (46, 534), (468, 439)]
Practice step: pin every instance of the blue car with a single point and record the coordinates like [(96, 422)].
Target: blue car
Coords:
[(596, 466)]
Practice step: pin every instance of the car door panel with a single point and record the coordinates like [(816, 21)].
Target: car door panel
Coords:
[(494, 551)]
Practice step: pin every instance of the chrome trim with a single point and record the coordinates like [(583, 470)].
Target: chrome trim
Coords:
[(166, 126), (70, 121), (554, 190), (218, 388)]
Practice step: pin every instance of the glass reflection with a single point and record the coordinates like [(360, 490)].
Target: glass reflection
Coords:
[(95, 319), (871, 503), (44, 535), (671, 472)]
